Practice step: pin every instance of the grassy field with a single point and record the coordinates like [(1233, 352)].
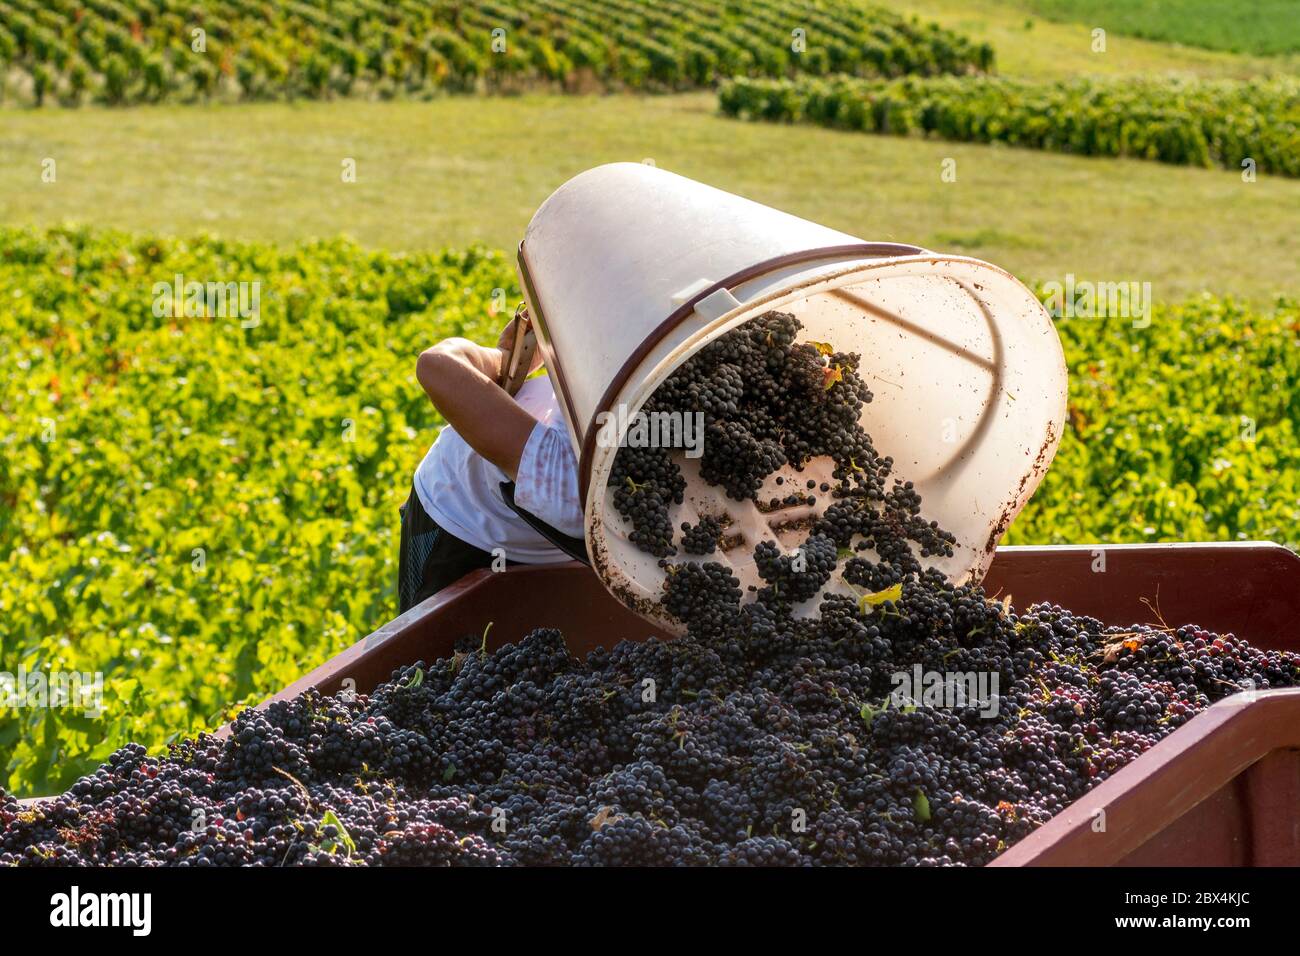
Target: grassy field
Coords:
[(1248, 26), (459, 170), (1027, 44)]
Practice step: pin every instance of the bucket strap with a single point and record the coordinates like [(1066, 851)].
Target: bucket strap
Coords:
[(575, 548)]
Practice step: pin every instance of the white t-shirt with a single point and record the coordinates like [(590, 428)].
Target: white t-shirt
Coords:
[(461, 490)]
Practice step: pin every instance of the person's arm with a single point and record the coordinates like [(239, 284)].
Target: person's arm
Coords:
[(547, 483), (460, 379)]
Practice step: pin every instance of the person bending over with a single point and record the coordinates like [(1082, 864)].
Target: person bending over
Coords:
[(456, 518)]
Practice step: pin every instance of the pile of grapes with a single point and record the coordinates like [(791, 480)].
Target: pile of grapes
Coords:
[(769, 402), (917, 723)]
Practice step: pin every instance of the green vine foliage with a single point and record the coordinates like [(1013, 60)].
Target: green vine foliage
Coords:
[(1185, 430), (143, 51), (201, 509), (196, 509), (1190, 122)]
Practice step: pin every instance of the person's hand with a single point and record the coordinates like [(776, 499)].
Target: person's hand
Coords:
[(506, 341)]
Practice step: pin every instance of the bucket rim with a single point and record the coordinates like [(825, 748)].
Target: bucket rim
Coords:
[(977, 277)]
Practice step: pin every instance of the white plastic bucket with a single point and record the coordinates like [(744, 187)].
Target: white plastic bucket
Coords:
[(629, 269)]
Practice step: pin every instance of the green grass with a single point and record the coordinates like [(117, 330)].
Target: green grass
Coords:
[(1246, 26), (459, 170), (1029, 45)]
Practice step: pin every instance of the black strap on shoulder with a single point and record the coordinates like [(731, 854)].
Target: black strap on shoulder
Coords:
[(575, 548)]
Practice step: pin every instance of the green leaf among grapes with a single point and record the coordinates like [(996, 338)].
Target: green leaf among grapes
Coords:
[(876, 598), (921, 804), (868, 712), (343, 842)]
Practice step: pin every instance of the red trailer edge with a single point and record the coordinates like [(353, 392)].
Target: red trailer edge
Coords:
[(1223, 790)]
